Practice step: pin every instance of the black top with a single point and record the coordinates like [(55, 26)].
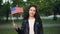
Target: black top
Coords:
[(25, 27)]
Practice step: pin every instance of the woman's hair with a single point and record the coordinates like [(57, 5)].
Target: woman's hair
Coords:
[(26, 13)]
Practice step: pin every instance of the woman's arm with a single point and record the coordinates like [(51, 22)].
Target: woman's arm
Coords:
[(20, 31), (16, 28), (40, 27)]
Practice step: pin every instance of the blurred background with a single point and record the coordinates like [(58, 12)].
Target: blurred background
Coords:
[(49, 11)]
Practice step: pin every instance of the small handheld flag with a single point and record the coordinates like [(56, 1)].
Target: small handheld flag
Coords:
[(15, 10)]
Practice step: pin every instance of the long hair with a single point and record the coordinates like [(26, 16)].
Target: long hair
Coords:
[(37, 17), (26, 14)]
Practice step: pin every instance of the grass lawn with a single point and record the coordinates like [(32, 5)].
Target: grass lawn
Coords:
[(53, 30), (45, 30), (44, 21), (8, 31), (49, 21), (48, 30)]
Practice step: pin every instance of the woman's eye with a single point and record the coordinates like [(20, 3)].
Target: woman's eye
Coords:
[(34, 10), (30, 9)]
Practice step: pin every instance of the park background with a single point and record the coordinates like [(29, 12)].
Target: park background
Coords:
[(49, 11)]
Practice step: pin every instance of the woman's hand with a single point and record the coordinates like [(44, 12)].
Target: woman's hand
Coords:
[(15, 26)]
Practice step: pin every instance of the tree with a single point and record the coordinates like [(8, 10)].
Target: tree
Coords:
[(56, 9), (7, 10)]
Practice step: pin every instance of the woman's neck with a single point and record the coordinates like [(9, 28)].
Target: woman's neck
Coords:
[(31, 17)]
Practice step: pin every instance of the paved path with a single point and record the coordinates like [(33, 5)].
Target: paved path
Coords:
[(44, 25)]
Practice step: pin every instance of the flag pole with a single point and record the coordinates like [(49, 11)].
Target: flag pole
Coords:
[(12, 18)]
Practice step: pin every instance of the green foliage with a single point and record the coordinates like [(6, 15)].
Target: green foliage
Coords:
[(45, 7)]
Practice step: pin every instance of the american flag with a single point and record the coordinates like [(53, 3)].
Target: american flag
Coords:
[(15, 10)]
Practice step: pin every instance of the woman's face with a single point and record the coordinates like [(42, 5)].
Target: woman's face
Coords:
[(32, 11)]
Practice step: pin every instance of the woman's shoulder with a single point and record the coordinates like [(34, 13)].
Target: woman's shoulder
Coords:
[(25, 20)]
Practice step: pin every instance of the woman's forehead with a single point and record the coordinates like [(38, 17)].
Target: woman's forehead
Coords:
[(33, 8)]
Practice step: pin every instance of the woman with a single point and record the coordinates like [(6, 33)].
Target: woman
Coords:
[(32, 23)]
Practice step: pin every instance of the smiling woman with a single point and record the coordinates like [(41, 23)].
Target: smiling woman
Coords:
[(32, 23)]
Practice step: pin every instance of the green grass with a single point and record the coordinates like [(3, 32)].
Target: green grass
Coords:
[(8, 31), (10, 22), (53, 30), (44, 21), (50, 21), (49, 30)]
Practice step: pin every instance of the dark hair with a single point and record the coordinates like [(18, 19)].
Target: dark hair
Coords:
[(26, 13)]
